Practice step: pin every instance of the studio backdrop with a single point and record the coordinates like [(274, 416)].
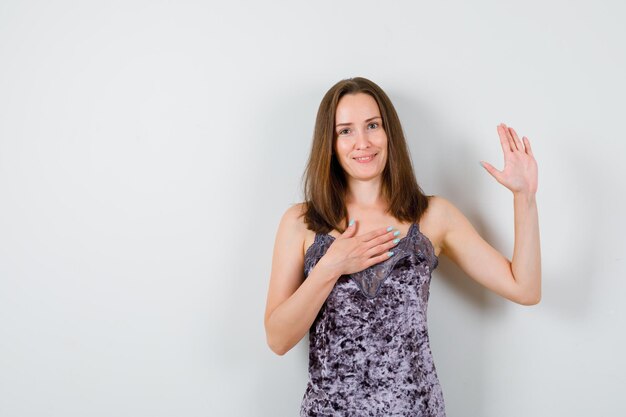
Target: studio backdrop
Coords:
[(149, 148)]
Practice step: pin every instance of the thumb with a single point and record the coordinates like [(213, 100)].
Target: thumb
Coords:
[(350, 230), (490, 169)]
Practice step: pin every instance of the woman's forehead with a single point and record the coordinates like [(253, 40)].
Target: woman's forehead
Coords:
[(353, 108)]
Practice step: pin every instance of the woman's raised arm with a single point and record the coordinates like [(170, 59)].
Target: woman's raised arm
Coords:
[(518, 280)]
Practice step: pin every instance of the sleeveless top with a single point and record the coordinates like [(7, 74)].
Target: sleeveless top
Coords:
[(369, 352)]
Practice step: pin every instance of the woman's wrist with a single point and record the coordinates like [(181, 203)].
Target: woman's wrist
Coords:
[(328, 272), (524, 195)]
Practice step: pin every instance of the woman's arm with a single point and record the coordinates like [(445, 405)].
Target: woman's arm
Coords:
[(518, 280), (293, 305), (526, 263)]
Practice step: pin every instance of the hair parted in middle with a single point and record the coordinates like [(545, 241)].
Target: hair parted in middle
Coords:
[(325, 184)]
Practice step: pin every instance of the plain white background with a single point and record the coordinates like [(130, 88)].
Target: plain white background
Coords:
[(149, 148)]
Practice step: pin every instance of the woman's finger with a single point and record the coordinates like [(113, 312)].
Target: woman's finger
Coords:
[(383, 247), (378, 259), (504, 140), (516, 139), (376, 233), (380, 240), (512, 143), (350, 230), (529, 150), (491, 170)]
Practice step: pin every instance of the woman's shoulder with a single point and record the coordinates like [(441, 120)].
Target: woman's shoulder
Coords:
[(294, 229), (294, 214), (293, 220), (442, 215), (441, 208), (434, 221), (437, 203)]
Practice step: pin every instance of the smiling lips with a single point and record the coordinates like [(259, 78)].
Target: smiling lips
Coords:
[(365, 159)]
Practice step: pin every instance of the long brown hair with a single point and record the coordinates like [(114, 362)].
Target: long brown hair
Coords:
[(325, 183)]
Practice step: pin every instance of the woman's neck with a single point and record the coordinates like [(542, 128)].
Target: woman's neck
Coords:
[(365, 194)]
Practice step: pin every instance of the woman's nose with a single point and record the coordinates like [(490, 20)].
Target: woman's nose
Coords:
[(362, 141)]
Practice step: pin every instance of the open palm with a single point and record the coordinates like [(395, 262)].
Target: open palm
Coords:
[(520, 168)]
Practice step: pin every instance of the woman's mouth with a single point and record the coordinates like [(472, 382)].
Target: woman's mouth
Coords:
[(365, 159)]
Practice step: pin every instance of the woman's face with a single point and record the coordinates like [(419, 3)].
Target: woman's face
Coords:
[(361, 141)]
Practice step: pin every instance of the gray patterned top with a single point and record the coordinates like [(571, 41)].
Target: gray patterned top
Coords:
[(369, 351)]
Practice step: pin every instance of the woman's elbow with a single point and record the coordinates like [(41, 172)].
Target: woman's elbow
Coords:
[(278, 348), (529, 300), (276, 345), (279, 351)]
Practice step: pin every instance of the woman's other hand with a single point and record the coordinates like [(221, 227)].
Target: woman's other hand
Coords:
[(349, 254), (520, 168)]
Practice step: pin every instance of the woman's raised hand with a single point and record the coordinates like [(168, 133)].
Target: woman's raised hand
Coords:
[(349, 254), (520, 168)]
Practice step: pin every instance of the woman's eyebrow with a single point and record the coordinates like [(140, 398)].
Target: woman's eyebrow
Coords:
[(348, 124)]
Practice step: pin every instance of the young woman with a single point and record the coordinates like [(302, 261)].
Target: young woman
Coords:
[(352, 264)]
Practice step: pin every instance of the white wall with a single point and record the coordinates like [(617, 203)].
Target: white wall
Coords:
[(149, 148)]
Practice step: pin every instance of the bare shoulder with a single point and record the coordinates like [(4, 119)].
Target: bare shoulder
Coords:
[(292, 230), (294, 214), (292, 223), (441, 204), (446, 212), (435, 221), (447, 219)]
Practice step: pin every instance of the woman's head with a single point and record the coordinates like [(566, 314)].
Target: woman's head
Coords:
[(360, 144), (347, 105)]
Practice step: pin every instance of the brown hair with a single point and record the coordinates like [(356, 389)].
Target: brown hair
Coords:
[(325, 183)]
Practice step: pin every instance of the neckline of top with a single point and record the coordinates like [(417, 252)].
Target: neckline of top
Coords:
[(413, 226), (413, 229)]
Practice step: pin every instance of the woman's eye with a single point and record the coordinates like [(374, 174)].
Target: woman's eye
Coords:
[(373, 125), (344, 131)]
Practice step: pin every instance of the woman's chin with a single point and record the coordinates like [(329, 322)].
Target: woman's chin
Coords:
[(365, 176)]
